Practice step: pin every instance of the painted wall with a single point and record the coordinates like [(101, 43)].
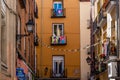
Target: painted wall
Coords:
[(71, 31), (25, 48), (7, 71), (85, 38)]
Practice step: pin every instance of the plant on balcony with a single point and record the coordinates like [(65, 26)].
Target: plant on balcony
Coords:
[(113, 51), (102, 56)]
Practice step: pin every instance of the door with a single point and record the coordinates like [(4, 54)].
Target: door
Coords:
[(58, 66), (57, 6)]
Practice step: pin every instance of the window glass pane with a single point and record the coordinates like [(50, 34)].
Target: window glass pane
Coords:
[(55, 30), (59, 5), (61, 30), (58, 30), (55, 6)]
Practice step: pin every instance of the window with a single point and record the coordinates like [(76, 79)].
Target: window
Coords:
[(57, 29), (25, 46), (18, 32), (58, 8), (58, 34), (29, 50), (58, 66), (3, 38)]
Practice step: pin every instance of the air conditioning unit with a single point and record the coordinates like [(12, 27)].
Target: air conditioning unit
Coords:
[(112, 69)]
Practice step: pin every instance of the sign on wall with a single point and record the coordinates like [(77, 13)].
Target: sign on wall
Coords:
[(20, 73)]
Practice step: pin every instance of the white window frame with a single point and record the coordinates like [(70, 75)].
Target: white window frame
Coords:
[(57, 2), (58, 59), (58, 27)]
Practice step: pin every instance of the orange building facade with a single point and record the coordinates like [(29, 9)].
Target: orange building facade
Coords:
[(58, 29), (25, 47)]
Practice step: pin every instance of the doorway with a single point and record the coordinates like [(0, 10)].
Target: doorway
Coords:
[(58, 66)]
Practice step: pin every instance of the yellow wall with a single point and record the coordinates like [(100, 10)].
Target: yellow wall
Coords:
[(71, 31)]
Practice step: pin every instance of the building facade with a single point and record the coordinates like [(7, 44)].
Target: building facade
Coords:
[(104, 37), (7, 39), (85, 40), (58, 29), (25, 39)]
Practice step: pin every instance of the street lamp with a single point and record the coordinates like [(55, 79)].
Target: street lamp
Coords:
[(29, 25), (88, 59)]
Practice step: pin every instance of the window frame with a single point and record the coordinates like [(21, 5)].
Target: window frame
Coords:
[(58, 12), (53, 25), (4, 42)]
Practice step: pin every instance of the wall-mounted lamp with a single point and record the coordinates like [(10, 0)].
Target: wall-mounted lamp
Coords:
[(29, 25), (88, 59)]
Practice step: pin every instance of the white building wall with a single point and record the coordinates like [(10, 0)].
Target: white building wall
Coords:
[(85, 38)]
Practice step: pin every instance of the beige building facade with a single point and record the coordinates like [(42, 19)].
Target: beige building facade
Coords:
[(7, 39), (85, 38)]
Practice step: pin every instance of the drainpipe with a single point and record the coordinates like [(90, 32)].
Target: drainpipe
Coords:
[(118, 36), (117, 18)]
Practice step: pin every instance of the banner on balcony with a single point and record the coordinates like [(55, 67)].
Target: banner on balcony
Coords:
[(58, 40)]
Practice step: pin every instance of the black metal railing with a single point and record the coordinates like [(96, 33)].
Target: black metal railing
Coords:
[(95, 24), (58, 40), (23, 3), (58, 13), (54, 74), (101, 15)]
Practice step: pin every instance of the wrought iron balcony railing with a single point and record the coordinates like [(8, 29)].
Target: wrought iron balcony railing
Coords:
[(95, 25), (54, 74), (101, 16), (58, 40), (58, 13)]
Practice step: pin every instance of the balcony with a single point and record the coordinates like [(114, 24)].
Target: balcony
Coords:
[(22, 3), (95, 26), (110, 4), (101, 17), (63, 74), (59, 13), (58, 40)]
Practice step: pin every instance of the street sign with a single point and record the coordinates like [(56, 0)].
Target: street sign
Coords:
[(20, 73)]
